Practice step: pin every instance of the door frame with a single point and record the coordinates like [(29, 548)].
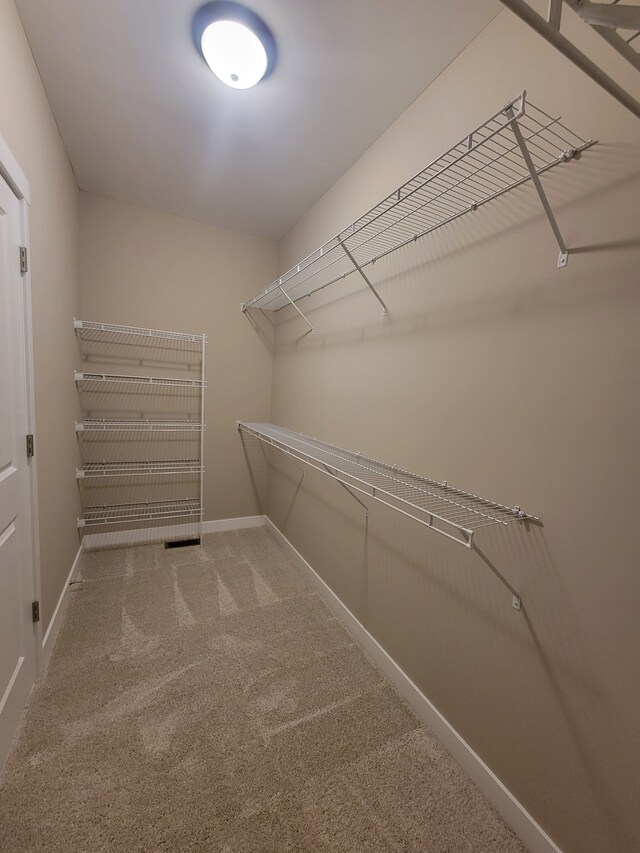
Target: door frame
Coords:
[(18, 183)]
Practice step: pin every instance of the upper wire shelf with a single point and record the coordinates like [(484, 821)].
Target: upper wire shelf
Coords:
[(112, 333), (437, 505), (517, 144)]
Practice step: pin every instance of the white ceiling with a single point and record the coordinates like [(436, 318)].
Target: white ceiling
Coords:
[(145, 121)]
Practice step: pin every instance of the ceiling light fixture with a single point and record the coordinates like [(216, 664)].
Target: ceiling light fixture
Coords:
[(235, 43)]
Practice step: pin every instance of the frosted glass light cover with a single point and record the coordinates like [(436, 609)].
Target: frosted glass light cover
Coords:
[(234, 53)]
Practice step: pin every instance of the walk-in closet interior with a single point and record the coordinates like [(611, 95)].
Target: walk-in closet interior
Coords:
[(319, 455)]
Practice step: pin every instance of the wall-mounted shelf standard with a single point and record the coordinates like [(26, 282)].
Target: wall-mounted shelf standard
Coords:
[(141, 470), (517, 144), (437, 505)]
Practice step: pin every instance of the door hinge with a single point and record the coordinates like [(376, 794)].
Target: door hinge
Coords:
[(30, 447), (24, 259), (35, 611)]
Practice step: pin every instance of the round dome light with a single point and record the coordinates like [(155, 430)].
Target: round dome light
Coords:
[(234, 42)]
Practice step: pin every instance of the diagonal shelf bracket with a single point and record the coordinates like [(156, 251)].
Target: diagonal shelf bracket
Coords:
[(284, 293), (364, 276), (563, 257)]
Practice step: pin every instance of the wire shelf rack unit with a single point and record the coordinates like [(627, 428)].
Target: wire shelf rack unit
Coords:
[(452, 512), (517, 144), (137, 454)]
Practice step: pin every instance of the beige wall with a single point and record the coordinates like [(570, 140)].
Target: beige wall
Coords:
[(514, 380), (143, 268), (28, 127)]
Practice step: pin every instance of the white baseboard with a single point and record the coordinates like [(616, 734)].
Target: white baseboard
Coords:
[(190, 530), (511, 810), (48, 639), (233, 523)]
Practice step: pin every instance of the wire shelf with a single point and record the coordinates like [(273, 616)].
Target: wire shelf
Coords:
[(137, 469), (138, 383), (484, 165), (149, 511), (109, 425), (111, 333), (454, 513)]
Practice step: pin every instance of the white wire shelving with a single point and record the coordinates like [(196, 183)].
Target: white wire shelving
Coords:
[(516, 145), (137, 469), (92, 380), (145, 511), (111, 333), (144, 425), (133, 345), (452, 512)]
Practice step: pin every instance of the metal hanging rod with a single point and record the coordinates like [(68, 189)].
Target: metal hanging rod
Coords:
[(108, 425), (618, 25), (149, 511), (517, 144), (137, 381), (137, 469), (452, 512), (111, 333)]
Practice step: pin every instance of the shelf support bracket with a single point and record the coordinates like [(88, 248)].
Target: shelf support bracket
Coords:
[(286, 295), (347, 489), (563, 257), (364, 276)]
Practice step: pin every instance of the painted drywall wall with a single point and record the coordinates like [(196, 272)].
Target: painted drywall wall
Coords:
[(143, 268), (29, 128), (510, 379)]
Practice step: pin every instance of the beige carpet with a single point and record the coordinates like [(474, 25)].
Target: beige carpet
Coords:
[(206, 700)]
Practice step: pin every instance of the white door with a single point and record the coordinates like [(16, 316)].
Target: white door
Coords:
[(17, 634)]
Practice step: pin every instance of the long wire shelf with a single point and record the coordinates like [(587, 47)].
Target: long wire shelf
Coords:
[(135, 512), (87, 380), (452, 512), (93, 470), (112, 333), (517, 144), (110, 425)]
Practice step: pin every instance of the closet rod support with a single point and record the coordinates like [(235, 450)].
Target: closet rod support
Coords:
[(563, 257), (364, 276)]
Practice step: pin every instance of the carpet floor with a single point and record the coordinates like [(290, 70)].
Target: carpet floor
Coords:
[(205, 699)]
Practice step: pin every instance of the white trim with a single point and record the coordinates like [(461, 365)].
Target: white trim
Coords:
[(511, 810), (143, 535), (234, 523), (16, 179), (13, 174), (56, 619)]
